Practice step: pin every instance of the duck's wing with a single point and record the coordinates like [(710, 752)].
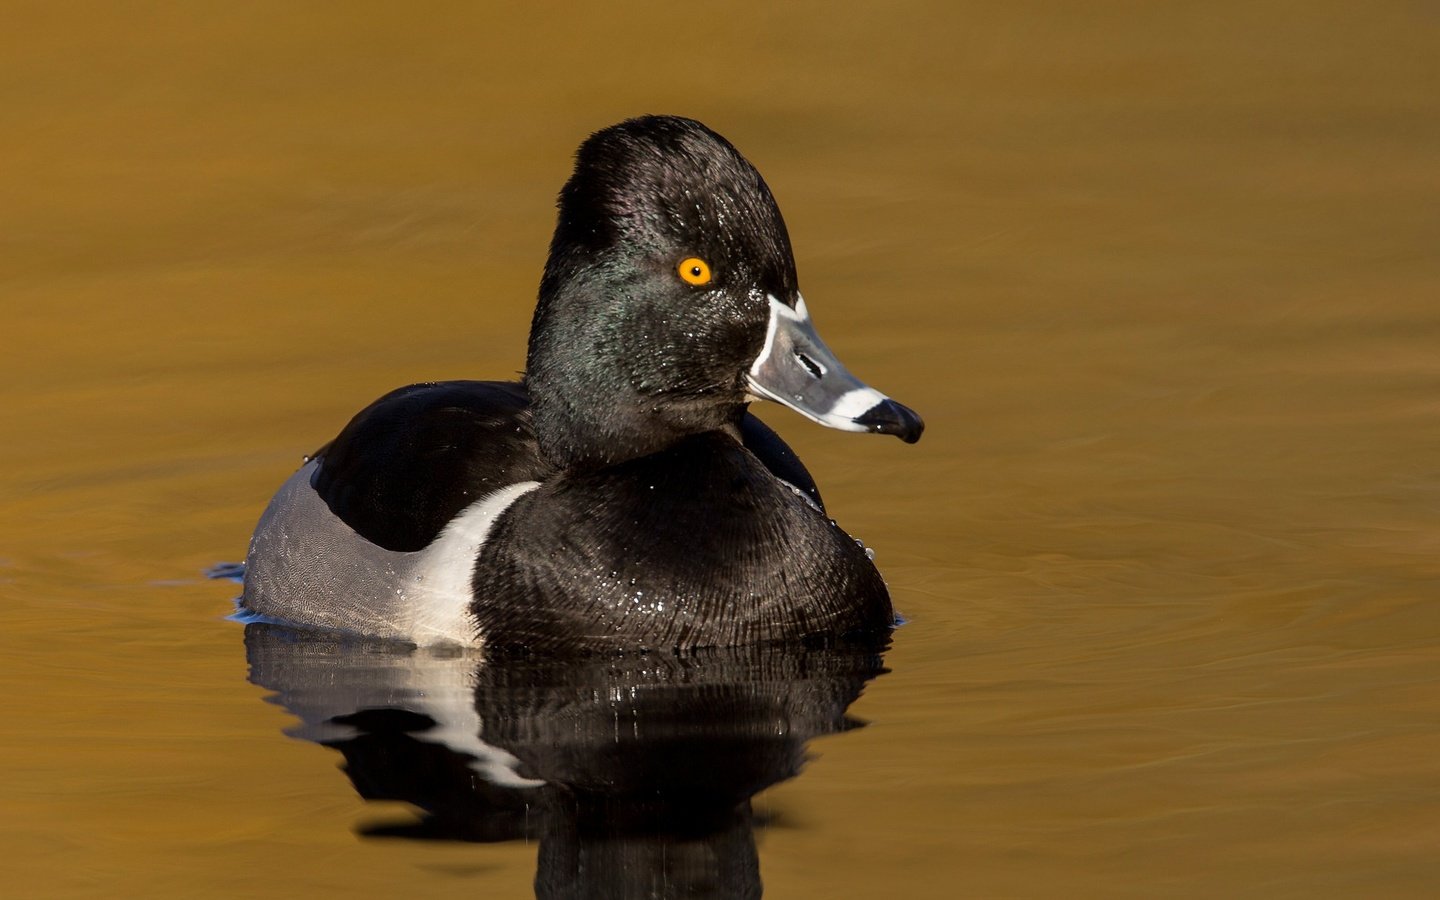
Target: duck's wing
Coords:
[(777, 456), (411, 461)]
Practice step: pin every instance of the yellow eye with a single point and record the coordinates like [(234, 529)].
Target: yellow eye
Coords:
[(694, 270)]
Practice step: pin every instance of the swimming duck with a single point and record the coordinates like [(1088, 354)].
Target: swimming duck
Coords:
[(620, 496)]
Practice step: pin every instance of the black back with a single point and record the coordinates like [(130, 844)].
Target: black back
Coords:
[(411, 461)]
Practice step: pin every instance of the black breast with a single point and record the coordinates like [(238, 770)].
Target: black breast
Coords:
[(698, 545)]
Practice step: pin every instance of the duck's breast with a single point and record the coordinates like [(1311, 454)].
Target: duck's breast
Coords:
[(700, 545)]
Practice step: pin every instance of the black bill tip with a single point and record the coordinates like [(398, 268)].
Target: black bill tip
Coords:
[(889, 417)]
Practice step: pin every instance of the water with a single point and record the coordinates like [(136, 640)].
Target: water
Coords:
[(1162, 281), (635, 773)]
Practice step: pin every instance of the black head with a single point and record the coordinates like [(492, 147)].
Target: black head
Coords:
[(667, 265)]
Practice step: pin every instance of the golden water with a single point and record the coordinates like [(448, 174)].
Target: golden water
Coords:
[(1163, 279)]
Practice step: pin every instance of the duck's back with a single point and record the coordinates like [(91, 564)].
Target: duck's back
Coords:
[(409, 463)]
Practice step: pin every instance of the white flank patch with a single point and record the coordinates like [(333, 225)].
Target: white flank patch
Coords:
[(439, 584), (307, 567)]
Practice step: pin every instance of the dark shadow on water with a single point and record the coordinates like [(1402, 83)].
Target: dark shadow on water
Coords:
[(634, 774)]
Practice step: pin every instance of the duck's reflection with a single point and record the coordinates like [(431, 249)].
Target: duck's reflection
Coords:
[(634, 773)]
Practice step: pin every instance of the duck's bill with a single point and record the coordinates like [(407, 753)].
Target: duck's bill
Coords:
[(796, 369)]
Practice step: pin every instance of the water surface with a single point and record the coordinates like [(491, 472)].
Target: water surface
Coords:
[(1161, 279)]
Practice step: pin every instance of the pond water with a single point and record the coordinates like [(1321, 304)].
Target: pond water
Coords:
[(1163, 280)]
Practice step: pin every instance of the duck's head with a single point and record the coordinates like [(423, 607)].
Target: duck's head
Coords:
[(670, 301)]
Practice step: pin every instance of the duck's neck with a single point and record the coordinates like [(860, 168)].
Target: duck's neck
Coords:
[(579, 429), (597, 392)]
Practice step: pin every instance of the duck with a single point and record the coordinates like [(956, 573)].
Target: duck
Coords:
[(620, 496)]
